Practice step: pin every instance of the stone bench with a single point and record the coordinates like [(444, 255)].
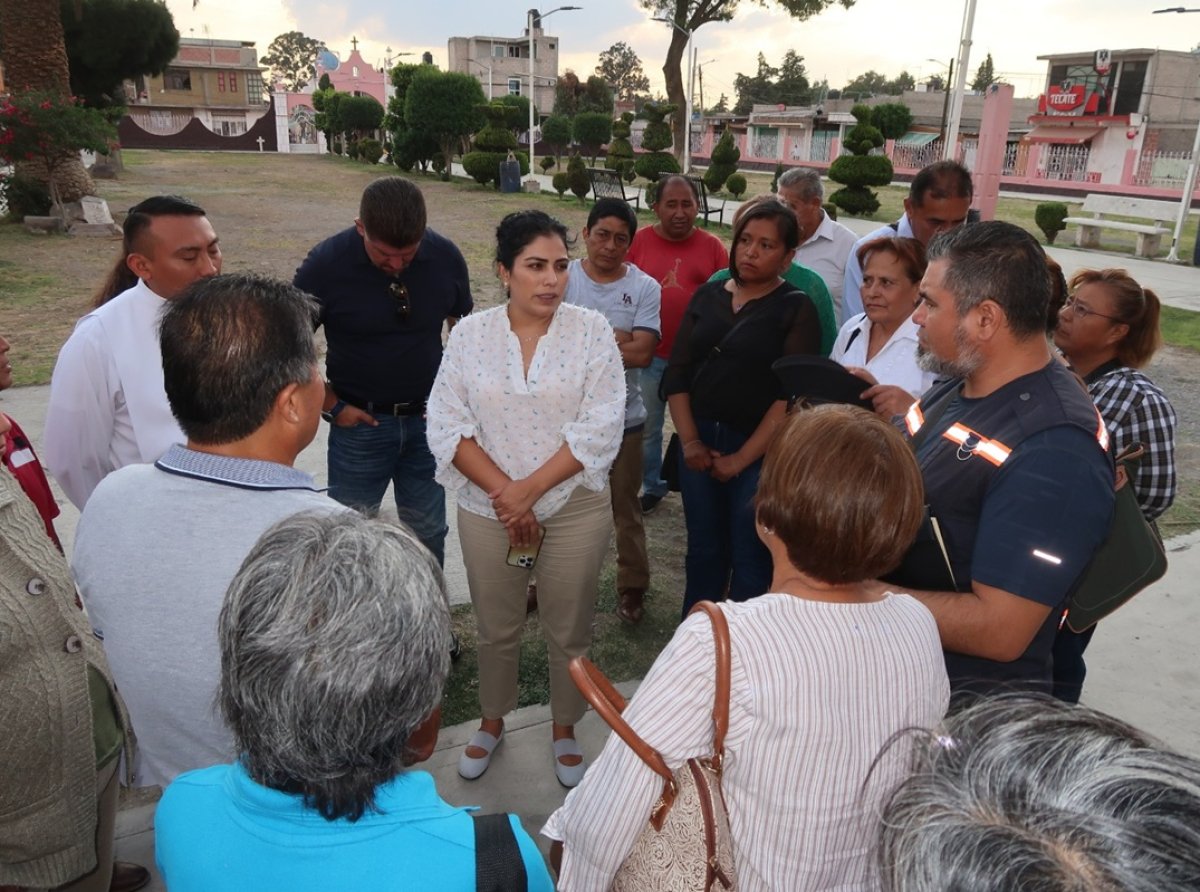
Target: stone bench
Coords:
[(1149, 234)]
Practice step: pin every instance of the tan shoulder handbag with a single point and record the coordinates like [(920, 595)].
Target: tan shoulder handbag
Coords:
[(685, 844)]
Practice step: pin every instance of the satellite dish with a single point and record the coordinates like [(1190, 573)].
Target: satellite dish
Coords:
[(328, 60)]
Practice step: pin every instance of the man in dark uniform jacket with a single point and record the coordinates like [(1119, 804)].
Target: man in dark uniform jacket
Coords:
[(1013, 455), (385, 286)]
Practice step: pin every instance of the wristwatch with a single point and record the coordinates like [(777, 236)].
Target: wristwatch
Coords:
[(333, 411)]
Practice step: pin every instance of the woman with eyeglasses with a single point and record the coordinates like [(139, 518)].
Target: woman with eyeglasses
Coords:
[(880, 344), (525, 419), (1108, 330)]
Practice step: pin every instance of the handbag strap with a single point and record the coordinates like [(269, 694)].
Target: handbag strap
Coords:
[(609, 704), (724, 683)]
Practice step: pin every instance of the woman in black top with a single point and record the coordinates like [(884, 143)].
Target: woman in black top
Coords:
[(725, 401)]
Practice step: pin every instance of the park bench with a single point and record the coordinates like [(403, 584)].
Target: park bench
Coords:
[(705, 210), (1149, 234), (608, 184)]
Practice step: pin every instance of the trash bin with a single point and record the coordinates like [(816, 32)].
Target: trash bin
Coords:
[(510, 174)]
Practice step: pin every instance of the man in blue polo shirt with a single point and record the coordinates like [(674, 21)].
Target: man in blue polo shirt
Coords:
[(385, 287), (1014, 460)]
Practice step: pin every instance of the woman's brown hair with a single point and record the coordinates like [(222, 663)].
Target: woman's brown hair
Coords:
[(1134, 306), (842, 491), (909, 251)]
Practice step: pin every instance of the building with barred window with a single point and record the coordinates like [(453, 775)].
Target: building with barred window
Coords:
[(216, 82)]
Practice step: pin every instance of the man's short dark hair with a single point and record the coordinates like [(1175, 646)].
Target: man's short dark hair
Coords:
[(230, 344), (137, 221), (942, 179), (392, 211), (613, 207), (996, 261)]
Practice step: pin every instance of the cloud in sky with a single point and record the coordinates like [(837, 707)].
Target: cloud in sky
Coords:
[(884, 35)]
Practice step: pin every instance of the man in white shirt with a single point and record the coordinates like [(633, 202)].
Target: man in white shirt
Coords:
[(824, 243), (630, 300), (939, 200), (107, 404)]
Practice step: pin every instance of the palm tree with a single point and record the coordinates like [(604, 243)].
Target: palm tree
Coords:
[(35, 58)]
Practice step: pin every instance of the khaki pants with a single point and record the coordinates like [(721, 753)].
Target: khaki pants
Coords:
[(568, 574), (625, 479)]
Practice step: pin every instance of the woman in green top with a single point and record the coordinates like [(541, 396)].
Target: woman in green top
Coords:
[(800, 277)]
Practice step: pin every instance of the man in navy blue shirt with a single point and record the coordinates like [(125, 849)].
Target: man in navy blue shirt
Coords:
[(385, 287), (1013, 457)]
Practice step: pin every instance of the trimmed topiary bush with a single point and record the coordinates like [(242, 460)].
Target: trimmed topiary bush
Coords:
[(370, 150), (859, 170), (492, 145), (725, 156), (592, 130), (352, 149), (546, 163), (577, 177), (657, 137), (775, 179), (620, 149), (831, 209), (561, 182), (1049, 216), (736, 185)]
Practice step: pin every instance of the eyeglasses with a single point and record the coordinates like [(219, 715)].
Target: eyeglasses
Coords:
[(399, 291), (1083, 311)]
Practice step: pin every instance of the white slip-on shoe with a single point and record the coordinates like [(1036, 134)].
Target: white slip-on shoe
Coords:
[(471, 768), (568, 775)]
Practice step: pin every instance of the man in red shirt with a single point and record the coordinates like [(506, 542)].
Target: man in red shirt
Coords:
[(680, 258)]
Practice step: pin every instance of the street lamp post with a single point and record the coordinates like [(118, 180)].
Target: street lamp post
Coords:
[(687, 103), (946, 97), (532, 92), (950, 150), (700, 80)]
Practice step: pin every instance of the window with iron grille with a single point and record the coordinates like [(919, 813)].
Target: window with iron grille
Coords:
[(254, 88)]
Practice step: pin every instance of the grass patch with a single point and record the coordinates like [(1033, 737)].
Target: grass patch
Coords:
[(1180, 328)]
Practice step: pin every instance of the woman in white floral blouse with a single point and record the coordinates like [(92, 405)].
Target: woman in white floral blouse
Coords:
[(525, 419)]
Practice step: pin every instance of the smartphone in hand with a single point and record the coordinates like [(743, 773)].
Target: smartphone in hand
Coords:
[(526, 555)]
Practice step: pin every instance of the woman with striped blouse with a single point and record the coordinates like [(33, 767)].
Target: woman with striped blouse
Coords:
[(826, 668)]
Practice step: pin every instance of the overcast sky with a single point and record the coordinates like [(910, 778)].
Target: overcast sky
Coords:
[(885, 35)]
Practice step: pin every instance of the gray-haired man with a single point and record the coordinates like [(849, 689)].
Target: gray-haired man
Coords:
[(824, 243)]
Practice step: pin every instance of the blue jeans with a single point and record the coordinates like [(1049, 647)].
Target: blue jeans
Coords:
[(1069, 667), (364, 459), (723, 548), (652, 434)]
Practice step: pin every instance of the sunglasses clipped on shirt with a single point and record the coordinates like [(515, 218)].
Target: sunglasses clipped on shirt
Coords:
[(399, 291)]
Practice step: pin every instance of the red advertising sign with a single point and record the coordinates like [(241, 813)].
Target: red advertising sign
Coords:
[(1070, 98), (1065, 98)]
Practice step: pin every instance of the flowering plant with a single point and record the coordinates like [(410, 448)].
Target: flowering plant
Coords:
[(50, 128)]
